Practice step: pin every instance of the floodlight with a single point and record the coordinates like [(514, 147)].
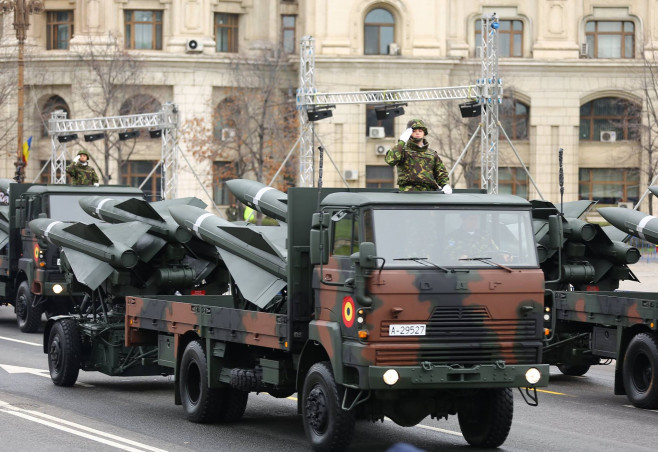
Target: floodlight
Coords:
[(470, 109), (319, 113), (123, 136), (389, 111), (155, 133), (67, 138), (94, 137)]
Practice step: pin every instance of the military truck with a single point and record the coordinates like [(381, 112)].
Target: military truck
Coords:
[(587, 320), (356, 301), (30, 278)]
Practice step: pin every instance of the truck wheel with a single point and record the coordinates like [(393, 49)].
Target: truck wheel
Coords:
[(641, 370), (487, 419), (328, 427), (27, 316), (199, 401), (573, 371), (64, 349), (233, 404)]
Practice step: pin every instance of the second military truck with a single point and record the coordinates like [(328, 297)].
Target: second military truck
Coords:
[(360, 301)]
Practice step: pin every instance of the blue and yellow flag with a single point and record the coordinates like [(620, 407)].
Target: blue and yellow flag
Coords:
[(26, 150)]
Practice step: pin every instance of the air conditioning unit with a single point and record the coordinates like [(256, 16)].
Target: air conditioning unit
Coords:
[(228, 134), (393, 49), (584, 50), (351, 174), (380, 149), (608, 136), (377, 132), (193, 46), (625, 204)]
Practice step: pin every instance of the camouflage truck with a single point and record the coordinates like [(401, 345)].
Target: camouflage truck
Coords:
[(587, 320), (30, 278), (357, 301)]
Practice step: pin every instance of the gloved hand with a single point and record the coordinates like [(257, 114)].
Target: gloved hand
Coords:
[(96, 184), (406, 135), (76, 159), (447, 189)]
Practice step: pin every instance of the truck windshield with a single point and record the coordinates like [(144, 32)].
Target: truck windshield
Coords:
[(67, 208), (452, 237)]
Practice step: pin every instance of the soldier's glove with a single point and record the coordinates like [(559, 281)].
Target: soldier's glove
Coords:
[(447, 189), (96, 184), (406, 135), (76, 159)]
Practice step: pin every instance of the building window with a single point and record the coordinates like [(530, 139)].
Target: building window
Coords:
[(224, 128), (510, 37), (609, 119), (511, 180), (143, 30), (288, 33), (221, 172), (513, 116), (134, 173), (608, 39), (379, 32), (226, 32), (53, 104), (379, 176), (44, 177), (59, 25), (609, 185), (372, 121)]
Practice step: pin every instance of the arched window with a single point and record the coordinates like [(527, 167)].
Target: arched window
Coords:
[(224, 120), (138, 104), (609, 119), (513, 115), (51, 105), (510, 34), (379, 32)]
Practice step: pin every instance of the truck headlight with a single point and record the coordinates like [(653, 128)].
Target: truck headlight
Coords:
[(532, 376), (391, 377), (57, 288)]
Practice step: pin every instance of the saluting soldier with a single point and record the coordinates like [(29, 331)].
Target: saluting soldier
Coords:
[(419, 167), (80, 171)]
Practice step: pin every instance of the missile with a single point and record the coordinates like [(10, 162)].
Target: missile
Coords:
[(654, 189), (93, 250), (134, 209), (256, 264), (635, 223), (260, 197)]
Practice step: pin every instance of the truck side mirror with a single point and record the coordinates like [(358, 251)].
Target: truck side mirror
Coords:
[(555, 234), (319, 251), (365, 256)]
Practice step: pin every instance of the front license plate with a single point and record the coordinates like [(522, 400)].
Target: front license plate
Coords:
[(414, 329)]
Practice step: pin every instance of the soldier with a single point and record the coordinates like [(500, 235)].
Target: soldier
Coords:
[(419, 167), (470, 240), (232, 212), (80, 171)]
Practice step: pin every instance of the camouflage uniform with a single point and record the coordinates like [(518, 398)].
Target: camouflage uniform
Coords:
[(419, 167), (82, 174), (465, 244)]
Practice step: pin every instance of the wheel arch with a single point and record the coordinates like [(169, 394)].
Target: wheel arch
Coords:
[(49, 326)]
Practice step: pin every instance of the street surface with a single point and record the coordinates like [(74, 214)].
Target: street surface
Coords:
[(101, 413)]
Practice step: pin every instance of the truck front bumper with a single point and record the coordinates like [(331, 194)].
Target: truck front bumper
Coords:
[(451, 377)]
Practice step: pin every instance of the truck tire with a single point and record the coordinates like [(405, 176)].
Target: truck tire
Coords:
[(641, 371), (64, 350), (199, 401), (27, 316), (232, 406), (573, 370), (328, 427), (487, 418)]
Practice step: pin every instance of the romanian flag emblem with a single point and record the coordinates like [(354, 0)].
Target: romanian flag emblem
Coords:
[(26, 150)]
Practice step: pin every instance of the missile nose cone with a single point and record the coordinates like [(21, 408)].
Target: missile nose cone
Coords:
[(265, 199), (654, 189)]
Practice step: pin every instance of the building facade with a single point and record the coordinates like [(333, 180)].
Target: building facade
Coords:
[(574, 75)]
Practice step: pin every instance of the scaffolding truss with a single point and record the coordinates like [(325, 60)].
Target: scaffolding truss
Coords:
[(166, 120), (487, 92)]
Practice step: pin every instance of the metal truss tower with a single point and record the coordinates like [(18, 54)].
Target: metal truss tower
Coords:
[(166, 120), (487, 91)]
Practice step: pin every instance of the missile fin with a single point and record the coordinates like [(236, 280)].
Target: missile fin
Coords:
[(615, 234), (140, 208), (89, 232), (147, 246), (162, 207), (87, 270), (256, 285), (251, 237), (126, 233), (4, 239)]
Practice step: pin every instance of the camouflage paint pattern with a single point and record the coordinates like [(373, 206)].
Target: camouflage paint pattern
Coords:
[(419, 167), (81, 174)]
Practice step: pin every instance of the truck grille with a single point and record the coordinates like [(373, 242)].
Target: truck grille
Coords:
[(467, 335)]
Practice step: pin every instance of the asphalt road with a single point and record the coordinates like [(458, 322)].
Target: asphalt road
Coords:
[(102, 413)]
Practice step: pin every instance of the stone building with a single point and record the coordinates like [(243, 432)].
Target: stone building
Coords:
[(573, 74)]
